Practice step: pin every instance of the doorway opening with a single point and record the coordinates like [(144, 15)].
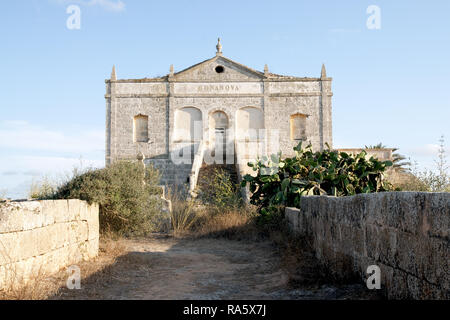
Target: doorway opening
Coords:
[(218, 141)]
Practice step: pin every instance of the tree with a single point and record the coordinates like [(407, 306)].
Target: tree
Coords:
[(397, 159), (442, 161)]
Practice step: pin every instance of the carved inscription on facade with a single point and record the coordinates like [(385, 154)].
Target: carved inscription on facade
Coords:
[(218, 88)]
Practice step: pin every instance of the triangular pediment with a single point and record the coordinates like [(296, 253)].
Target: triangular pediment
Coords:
[(219, 69)]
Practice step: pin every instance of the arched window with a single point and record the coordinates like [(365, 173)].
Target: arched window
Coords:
[(249, 122), (140, 128), (298, 126), (188, 125)]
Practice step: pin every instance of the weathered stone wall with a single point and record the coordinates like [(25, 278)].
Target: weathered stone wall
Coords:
[(406, 234), (41, 237), (171, 173), (275, 97)]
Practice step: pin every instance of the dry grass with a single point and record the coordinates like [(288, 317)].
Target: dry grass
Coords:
[(43, 286), (184, 216), (40, 286), (15, 285), (236, 224), (115, 264), (94, 271), (191, 219)]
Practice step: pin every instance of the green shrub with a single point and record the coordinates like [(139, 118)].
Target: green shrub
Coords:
[(283, 181), (127, 193), (219, 191)]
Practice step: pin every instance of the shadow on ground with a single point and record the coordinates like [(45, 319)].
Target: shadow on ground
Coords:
[(162, 267)]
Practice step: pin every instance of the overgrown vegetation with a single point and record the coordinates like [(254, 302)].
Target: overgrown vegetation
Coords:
[(283, 181), (184, 215), (217, 211), (42, 189), (127, 194), (43, 286), (426, 180), (16, 288), (219, 191), (399, 161)]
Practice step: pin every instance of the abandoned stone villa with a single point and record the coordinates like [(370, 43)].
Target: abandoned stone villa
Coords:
[(217, 106)]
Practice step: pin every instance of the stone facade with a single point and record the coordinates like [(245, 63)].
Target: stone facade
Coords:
[(247, 100), (406, 234), (38, 238)]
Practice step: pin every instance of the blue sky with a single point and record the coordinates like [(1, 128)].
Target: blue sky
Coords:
[(390, 85)]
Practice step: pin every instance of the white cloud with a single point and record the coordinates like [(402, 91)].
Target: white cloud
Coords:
[(29, 151), (424, 156), (428, 150), (23, 135), (110, 5)]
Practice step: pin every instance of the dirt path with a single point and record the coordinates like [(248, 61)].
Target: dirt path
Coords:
[(167, 268)]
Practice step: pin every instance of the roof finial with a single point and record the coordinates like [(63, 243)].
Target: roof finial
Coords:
[(218, 47), (266, 70), (171, 70), (323, 73), (113, 73)]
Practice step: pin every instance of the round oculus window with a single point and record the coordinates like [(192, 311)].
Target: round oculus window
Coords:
[(219, 69)]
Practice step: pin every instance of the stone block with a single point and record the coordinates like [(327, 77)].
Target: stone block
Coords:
[(47, 212), (61, 211), (32, 215), (9, 248), (11, 217), (437, 215), (74, 208)]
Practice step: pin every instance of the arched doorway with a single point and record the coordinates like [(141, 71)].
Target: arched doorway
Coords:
[(218, 127)]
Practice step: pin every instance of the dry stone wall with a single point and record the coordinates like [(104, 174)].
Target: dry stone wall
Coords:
[(41, 237), (406, 234)]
